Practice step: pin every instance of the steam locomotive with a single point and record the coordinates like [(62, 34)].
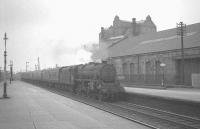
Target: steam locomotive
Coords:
[(96, 80)]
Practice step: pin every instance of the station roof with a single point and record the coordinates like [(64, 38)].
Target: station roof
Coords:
[(156, 42)]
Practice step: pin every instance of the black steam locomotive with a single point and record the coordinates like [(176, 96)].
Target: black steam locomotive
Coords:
[(96, 80)]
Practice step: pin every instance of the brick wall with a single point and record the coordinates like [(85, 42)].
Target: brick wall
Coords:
[(146, 70)]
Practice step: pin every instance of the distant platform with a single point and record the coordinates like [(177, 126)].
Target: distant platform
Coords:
[(183, 94)]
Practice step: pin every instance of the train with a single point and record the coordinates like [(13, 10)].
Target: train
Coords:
[(95, 80), (2, 75)]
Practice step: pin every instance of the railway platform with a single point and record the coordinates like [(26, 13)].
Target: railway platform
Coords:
[(182, 94), (31, 107)]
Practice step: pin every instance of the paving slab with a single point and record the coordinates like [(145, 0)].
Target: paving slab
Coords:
[(31, 107)]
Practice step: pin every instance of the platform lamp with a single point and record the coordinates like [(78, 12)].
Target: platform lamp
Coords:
[(162, 65)]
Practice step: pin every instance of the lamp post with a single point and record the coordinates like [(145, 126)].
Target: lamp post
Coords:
[(5, 82), (162, 65)]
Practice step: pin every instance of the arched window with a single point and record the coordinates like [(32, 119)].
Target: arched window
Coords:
[(158, 68), (148, 68), (148, 72), (132, 69), (158, 72), (125, 70)]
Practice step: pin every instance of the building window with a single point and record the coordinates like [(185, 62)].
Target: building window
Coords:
[(132, 69), (132, 65), (125, 70), (158, 72), (148, 68), (149, 72), (158, 68)]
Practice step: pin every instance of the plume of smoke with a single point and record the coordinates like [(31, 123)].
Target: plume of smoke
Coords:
[(61, 53), (70, 55), (102, 53), (98, 51), (83, 56)]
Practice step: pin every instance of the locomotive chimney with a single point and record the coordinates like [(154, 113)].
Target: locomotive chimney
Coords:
[(104, 61)]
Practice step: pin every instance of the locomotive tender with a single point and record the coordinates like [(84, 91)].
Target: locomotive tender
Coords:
[(96, 80)]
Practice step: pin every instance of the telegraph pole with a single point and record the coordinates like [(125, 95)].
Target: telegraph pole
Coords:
[(35, 67), (0, 75), (11, 70), (5, 82), (181, 30), (27, 66), (38, 63)]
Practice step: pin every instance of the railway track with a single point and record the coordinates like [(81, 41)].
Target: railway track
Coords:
[(160, 117), (152, 118)]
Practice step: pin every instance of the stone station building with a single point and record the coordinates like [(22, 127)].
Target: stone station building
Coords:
[(137, 50)]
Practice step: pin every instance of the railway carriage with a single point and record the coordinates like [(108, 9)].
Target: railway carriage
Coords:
[(37, 75), (26, 76), (67, 77), (51, 77)]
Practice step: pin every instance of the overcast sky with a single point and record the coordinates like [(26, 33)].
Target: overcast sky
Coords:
[(54, 30)]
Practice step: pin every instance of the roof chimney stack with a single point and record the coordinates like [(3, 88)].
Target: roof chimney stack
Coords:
[(101, 36), (134, 26)]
